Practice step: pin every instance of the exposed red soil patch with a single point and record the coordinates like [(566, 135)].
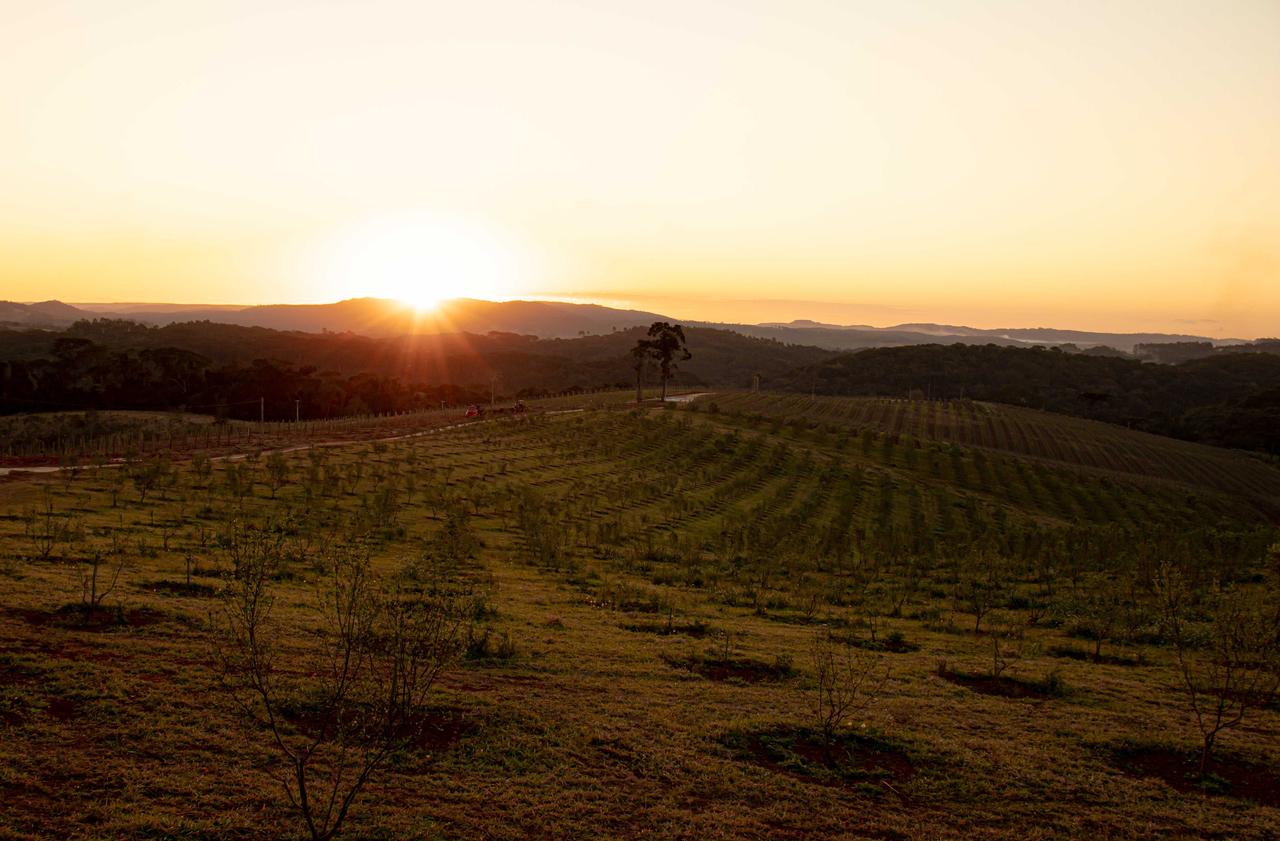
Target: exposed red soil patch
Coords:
[(849, 761), (76, 617), (34, 618), (14, 676), (697, 630), (892, 645), (736, 669), (105, 619), (1180, 770), (443, 728), (432, 731), (1072, 653), (1003, 687), (63, 709), (10, 676), (895, 765)]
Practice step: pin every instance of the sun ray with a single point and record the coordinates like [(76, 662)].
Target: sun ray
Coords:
[(422, 259)]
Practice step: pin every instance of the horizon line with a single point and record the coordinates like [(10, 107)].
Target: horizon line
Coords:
[(622, 304)]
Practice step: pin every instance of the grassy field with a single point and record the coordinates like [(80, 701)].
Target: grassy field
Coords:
[(86, 438), (1044, 436), (653, 586)]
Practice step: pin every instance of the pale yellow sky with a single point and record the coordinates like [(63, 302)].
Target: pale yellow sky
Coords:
[(1100, 165)]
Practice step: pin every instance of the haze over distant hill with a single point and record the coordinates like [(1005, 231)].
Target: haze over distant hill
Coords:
[(42, 314), (379, 318), (856, 336)]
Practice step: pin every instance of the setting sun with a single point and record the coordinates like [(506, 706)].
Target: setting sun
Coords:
[(422, 259)]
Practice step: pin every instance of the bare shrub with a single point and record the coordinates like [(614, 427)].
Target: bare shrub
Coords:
[(982, 585), (338, 701), (150, 474), (1237, 669), (46, 529), (1008, 644), (99, 574), (201, 466), (277, 472), (847, 681)]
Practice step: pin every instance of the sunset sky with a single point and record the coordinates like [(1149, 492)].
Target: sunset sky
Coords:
[(1101, 165)]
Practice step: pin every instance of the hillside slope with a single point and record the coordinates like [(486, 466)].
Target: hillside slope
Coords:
[(649, 599), (1044, 436), (1219, 400)]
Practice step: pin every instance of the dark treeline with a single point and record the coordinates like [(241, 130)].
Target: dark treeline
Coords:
[(1172, 353), (1227, 399), (225, 369), (83, 375)]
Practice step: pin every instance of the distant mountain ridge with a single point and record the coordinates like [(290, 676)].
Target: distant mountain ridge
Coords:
[(381, 318), (1008, 336), (44, 313), (376, 317)]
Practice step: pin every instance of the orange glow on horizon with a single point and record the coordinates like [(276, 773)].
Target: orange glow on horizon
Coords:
[(1093, 166)]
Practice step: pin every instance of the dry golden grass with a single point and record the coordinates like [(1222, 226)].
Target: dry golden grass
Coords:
[(590, 730)]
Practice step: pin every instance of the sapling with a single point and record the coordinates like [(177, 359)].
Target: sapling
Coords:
[(46, 529), (354, 691), (847, 680), (277, 472), (99, 575), (1238, 669)]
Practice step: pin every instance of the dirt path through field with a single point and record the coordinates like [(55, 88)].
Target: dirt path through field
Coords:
[(16, 472)]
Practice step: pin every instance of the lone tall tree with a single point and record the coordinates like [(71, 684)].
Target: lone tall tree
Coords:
[(666, 345), (640, 354)]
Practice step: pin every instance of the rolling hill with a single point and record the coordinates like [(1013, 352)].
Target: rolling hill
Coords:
[(1228, 399), (1054, 439), (376, 317), (384, 318)]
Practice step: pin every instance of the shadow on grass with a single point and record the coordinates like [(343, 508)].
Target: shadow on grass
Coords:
[(192, 589), (80, 617), (733, 669), (893, 643), (432, 730), (863, 761), (1180, 769), (696, 629), (23, 694), (1072, 653), (1050, 686)]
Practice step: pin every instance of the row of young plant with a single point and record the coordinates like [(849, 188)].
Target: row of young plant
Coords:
[(1012, 429), (647, 512), (826, 546), (1057, 490)]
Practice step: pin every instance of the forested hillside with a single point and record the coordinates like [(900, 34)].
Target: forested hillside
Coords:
[(220, 367), (1228, 399)]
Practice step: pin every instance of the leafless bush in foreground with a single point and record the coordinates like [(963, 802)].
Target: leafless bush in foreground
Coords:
[(848, 679), (346, 695)]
